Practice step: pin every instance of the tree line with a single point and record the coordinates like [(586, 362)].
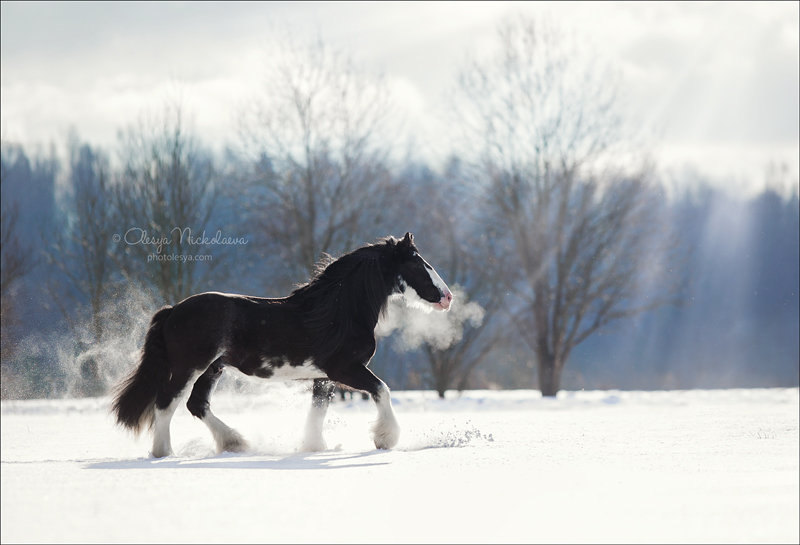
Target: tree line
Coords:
[(558, 248)]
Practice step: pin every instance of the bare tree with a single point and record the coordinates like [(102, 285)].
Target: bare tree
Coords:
[(582, 238), (451, 232), (81, 253), (451, 367), (319, 180), (163, 201), (15, 261), (81, 250)]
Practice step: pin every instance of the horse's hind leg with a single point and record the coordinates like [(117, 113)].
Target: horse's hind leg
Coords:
[(226, 438), (167, 400), (322, 394)]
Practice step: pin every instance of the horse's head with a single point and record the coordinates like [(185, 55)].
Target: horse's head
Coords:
[(417, 280)]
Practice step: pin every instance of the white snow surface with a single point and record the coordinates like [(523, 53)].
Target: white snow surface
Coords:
[(483, 467)]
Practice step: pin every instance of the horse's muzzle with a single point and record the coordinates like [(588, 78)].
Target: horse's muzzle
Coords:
[(444, 302)]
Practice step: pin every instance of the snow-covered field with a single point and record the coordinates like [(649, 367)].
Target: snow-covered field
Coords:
[(610, 466)]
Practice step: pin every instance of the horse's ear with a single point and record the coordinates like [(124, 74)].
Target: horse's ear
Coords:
[(405, 246)]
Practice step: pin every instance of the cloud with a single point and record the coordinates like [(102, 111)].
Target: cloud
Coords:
[(708, 73)]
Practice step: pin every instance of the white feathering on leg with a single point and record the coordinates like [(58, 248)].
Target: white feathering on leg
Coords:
[(226, 438), (162, 445), (386, 431), (313, 440)]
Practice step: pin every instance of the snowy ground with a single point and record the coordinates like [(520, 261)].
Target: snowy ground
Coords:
[(612, 467)]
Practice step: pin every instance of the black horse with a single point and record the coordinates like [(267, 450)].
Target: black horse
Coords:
[(323, 331)]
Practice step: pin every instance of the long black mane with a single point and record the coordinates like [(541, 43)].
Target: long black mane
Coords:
[(347, 296)]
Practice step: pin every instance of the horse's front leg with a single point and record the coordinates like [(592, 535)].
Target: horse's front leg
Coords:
[(386, 431), (321, 398)]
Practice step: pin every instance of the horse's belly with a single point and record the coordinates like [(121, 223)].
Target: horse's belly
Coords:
[(277, 369)]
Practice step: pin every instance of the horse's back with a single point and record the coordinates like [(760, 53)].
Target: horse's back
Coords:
[(239, 328)]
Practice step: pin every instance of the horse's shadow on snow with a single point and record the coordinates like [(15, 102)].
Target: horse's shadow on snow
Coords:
[(302, 460)]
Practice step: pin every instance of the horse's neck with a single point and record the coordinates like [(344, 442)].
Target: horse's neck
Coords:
[(369, 310), (365, 314), (373, 320)]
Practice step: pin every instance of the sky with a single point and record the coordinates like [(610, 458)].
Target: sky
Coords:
[(712, 87)]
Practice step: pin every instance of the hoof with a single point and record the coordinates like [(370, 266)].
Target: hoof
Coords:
[(234, 446), (233, 442), (314, 445), (386, 436), (162, 453)]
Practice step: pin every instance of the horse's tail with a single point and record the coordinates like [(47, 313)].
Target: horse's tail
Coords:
[(135, 398)]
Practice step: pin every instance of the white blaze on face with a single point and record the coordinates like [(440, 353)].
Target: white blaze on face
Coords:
[(413, 298), (437, 281)]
